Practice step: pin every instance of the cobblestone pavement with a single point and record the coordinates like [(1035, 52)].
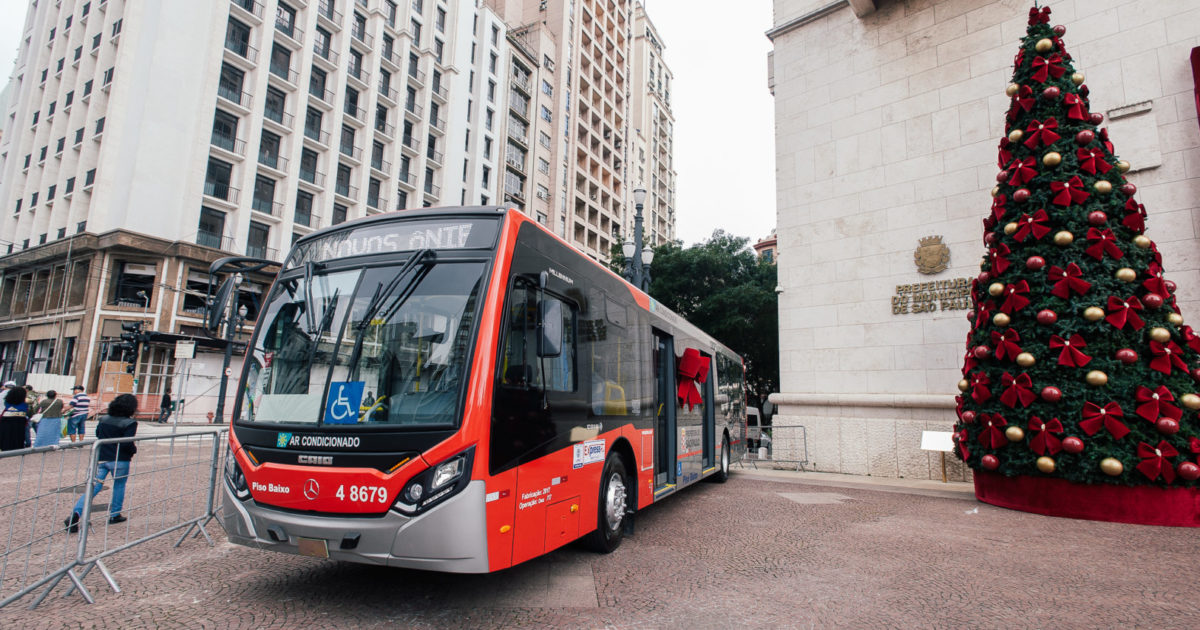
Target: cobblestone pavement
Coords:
[(759, 551)]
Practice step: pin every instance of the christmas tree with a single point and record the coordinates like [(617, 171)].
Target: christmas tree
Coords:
[(1078, 393)]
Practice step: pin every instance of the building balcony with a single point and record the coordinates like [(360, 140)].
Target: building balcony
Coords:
[(434, 156), (389, 94), (221, 192), (351, 153), (410, 145), (281, 120), (346, 191), (313, 177), (290, 79), (413, 112), (215, 241), (249, 11), (381, 167), (441, 93), (438, 126), (360, 77), (416, 75), (361, 35), (357, 115), (294, 37), (389, 131), (243, 55), (273, 161), (321, 138), (326, 57), (327, 16), (392, 60), (306, 219), (240, 100), (268, 207), (377, 203), (228, 146), (324, 98), (262, 251), (432, 191), (407, 180)]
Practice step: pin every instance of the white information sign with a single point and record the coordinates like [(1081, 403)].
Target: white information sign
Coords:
[(185, 349)]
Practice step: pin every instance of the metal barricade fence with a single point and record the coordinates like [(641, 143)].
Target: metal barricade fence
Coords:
[(170, 487), (779, 444)]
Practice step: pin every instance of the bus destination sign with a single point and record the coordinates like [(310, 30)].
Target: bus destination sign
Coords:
[(397, 236)]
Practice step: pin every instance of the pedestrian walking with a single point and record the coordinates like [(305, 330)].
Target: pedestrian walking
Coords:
[(80, 403), (14, 420), (49, 428), (113, 458), (164, 407)]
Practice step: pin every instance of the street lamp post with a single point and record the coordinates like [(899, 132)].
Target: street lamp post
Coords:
[(637, 256), (232, 324)]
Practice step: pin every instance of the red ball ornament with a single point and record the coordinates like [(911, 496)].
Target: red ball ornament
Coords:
[(970, 316), (984, 277), (1051, 93), (1188, 471), (982, 352), (1097, 218), (990, 462), (1085, 137), (1051, 394), (1021, 195), (989, 238), (1060, 30), (1128, 189), (1096, 118), (1127, 356), (1152, 300), (968, 416), (1001, 176), (1033, 263), (1072, 445), (1046, 317), (1167, 426), (1170, 285)]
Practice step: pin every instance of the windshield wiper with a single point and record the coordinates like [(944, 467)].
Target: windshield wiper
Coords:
[(326, 316), (309, 268), (381, 295)]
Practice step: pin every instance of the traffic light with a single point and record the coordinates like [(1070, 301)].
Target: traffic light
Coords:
[(131, 338)]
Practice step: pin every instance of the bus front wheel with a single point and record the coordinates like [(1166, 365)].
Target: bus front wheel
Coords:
[(611, 507), (722, 474)]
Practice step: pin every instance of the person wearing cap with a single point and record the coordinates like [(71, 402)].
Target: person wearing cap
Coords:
[(80, 403)]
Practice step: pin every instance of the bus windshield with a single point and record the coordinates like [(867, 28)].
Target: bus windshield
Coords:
[(376, 346)]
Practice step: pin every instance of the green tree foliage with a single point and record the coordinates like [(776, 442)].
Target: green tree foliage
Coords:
[(722, 287)]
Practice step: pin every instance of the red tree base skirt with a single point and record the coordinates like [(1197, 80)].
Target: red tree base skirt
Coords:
[(1142, 505)]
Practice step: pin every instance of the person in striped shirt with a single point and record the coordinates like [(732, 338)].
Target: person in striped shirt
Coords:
[(79, 412)]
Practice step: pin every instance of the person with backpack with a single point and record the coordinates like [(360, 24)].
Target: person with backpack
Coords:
[(49, 428), (113, 458)]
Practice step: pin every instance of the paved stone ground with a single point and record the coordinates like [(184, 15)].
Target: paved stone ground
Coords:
[(759, 551)]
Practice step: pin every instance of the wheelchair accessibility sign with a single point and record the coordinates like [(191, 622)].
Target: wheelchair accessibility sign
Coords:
[(341, 406)]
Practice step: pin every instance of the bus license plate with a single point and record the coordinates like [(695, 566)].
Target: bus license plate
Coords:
[(314, 547)]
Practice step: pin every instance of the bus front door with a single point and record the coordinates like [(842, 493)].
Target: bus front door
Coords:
[(664, 406)]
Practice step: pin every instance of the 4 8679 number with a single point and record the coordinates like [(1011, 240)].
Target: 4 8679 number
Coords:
[(362, 494)]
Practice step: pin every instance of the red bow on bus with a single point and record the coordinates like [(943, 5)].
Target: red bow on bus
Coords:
[(692, 370)]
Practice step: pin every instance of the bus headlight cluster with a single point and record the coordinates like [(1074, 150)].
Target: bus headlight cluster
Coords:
[(435, 484), (235, 476)]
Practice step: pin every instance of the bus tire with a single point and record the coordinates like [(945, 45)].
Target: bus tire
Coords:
[(612, 506), (722, 474)]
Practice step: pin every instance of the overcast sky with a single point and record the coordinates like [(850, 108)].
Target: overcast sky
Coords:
[(724, 115)]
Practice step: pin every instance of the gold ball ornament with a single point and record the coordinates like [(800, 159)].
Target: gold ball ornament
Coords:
[(1015, 136), (1096, 378), (995, 190), (1125, 274), (1012, 89), (964, 385), (1123, 166), (1001, 319), (1112, 466), (1142, 241), (1078, 78), (1010, 228), (1014, 434), (1046, 464), (1103, 187), (1044, 45), (1191, 401), (995, 289), (1160, 334), (1025, 359), (1053, 158), (1063, 238), (1093, 313), (1175, 319)]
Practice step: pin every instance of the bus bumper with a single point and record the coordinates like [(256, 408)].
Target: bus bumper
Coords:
[(451, 537)]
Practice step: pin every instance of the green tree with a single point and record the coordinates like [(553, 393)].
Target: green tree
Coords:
[(722, 287)]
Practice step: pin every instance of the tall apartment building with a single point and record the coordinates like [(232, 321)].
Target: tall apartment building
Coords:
[(653, 132)]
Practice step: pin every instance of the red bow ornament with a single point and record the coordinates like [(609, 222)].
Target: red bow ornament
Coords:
[(1017, 391), (1022, 171), (1092, 160), (1024, 99), (1096, 417), (1043, 66), (963, 451), (1154, 460), (999, 258), (1166, 355), (1069, 192), (979, 387), (1014, 297), (1005, 154), (1102, 242), (1194, 445), (1037, 16), (1006, 344), (693, 372), (1071, 355), (1108, 145), (1075, 108), (1043, 438), (1135, 216), (1035, 225), (1190, 338), (1156, 283), (998, 206), (1066, 282), (991, 436), (1156, 403), (1042, 132), (1121, 312)]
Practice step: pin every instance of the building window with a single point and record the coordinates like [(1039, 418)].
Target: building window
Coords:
[(373, 192), (308, 166), (415, 31), (264, 195), (217, 178), (224, 131), (229, 86), (547, 89), (339, 214), (347, 141), (321, 42), (257, 239), (276, 101), (495, 35), (237, 38), (268, 150), (438, 49), (285, 20), (356, 63), (487, 175), (546, 116), (352, 102), (133, 284), (487, 147), (543, 166), (316, 83), (401, 199), (342, 183), (304, 204), (491, 91), (377, 156), (212, 226), (70, 187), (281, 62), (312, 124), (493, 60), (544, 139)]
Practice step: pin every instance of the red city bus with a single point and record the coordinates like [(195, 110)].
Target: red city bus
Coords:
[(460, 390)]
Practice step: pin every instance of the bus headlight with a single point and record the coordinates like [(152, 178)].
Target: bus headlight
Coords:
[(235, 477), (436, 484)]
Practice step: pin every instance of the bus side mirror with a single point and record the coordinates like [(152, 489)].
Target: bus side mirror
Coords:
[(215, 310), (551, 324)]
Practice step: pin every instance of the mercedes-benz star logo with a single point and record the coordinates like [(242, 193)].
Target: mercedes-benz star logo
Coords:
[(311, 489)]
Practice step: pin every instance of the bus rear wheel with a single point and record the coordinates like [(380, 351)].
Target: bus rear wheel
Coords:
[(722, 474), (611, 507)]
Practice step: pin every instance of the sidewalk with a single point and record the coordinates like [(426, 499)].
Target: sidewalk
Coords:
[(923, 487)]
